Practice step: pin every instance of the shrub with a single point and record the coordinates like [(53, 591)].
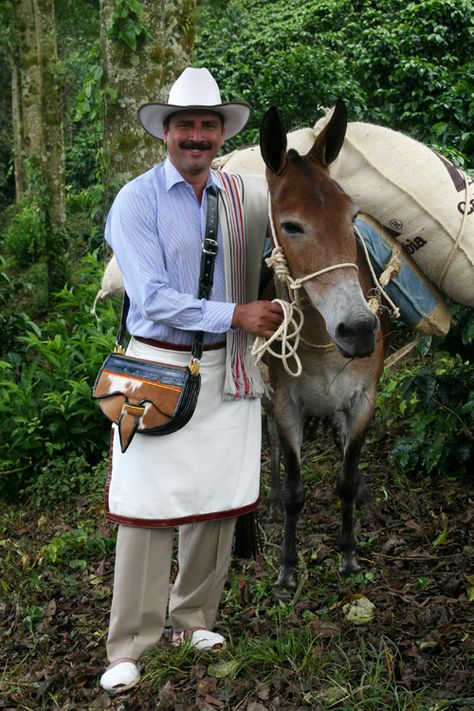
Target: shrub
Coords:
[(47, 412), (431, 409), (440, 418), (408, 66), (24, 236), (74, 547)]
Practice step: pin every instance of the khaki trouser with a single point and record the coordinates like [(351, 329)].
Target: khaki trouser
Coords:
[(141, 583)]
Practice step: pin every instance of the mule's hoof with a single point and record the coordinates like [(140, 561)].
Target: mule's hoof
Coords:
[(363, 497), (349, 567), (285, 585), (281, 594), (274, 517)]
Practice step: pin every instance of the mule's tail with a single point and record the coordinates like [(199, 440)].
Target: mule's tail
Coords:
[(246, 543)]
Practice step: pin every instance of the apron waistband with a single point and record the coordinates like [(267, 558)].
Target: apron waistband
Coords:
[(177, 346)]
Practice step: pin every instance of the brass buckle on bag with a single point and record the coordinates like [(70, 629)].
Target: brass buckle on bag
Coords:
[(194, 366)]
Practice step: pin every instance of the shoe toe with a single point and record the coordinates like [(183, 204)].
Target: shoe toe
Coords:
[(120, 677), (206, 640)]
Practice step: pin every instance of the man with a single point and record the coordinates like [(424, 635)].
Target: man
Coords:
[(206, 474)]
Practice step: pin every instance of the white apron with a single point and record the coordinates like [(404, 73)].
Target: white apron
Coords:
[(209, 469)]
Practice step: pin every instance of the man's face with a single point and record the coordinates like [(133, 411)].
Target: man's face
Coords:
[(193, 139)]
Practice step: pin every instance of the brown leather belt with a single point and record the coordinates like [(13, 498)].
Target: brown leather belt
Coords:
[(177, 346)]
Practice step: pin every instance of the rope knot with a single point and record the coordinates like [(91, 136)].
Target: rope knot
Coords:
[(277, 261)]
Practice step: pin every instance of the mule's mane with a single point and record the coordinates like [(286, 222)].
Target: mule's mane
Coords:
[(294, 156), (299, 161)]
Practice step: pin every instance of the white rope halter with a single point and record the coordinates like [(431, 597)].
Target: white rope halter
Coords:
[(293, 317)]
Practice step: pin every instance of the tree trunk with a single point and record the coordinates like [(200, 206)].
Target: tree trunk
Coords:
[(164, 37), (38, 125), (18, 157), (53, 143), (27, 111)]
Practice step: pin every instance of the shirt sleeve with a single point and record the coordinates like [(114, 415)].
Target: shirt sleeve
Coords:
[(132, 234)]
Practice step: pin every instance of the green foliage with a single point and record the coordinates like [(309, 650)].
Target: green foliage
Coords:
[(78, 48), (433, 411), (88, 112), (6, 285), (12, 325), (406, 65), (440, 417), (73, 547), (24, 237), (460, 339), (90, 100), (60, 480), (47, 412), (432, 405), (24, 234), (128, 24)]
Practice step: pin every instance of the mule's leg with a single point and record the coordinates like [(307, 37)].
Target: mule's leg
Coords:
[(347, 487), (363, 495), (291, 434), (275, 509), (350, 429)]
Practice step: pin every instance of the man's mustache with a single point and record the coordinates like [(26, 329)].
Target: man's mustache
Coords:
[(196, 145)]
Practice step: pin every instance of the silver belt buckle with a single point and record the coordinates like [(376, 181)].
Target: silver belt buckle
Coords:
[(209, 246)]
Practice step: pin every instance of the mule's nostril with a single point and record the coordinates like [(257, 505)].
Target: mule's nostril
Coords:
[(359, 329), (344, 332), (356, 339)]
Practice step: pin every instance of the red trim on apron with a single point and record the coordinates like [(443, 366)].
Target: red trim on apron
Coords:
[(168, 523)]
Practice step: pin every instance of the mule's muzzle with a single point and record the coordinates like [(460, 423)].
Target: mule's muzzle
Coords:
[(357, 339)]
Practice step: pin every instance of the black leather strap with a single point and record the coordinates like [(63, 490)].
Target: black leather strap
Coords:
[(206, 276), (208, 258)]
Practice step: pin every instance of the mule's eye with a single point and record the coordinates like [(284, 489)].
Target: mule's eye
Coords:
[(292, 228)]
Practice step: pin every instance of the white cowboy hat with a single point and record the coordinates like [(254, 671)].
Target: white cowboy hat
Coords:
[(194, 89)]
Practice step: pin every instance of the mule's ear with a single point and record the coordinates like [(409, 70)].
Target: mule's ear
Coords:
[(329, 142), (273, 141)]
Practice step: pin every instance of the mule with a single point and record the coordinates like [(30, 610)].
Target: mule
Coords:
[(343, 346)]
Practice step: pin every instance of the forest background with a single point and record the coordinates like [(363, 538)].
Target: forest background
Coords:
[(73, 73)]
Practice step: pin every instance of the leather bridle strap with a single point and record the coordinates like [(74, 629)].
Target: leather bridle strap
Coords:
[(277, 260)]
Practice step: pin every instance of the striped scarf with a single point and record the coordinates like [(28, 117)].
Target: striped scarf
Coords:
[(242, 253)]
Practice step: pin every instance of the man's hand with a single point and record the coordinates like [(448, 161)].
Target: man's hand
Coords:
[(260, 318)]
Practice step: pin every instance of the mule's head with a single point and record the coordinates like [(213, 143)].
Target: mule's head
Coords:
[(313, 219)]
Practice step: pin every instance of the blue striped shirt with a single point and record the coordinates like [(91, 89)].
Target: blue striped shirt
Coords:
[(155, 228)]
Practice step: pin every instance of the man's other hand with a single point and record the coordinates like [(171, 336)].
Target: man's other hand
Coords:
[(260, 318)]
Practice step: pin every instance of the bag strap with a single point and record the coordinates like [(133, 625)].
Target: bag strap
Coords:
[(206, 276), (208, 258)]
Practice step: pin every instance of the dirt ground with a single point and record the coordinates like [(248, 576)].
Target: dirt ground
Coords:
[(416, 549)]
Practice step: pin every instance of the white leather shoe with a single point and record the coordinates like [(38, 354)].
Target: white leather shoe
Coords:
[(120, 677), (203, 640)]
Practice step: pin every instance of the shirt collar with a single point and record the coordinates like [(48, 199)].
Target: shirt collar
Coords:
[(173, 177)]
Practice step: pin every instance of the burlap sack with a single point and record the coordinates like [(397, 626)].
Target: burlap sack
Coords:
[(419, 195), (111, 284), (421, 306), (249, 160)]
